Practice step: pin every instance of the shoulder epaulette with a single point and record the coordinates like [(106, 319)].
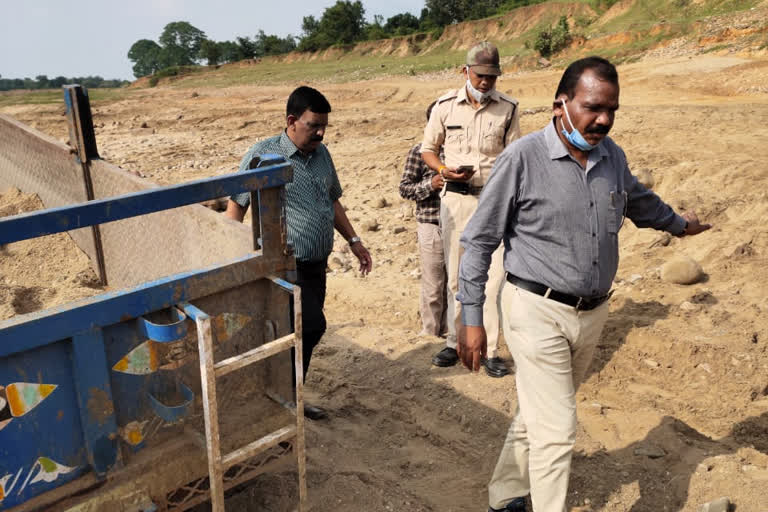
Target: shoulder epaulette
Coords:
[(447, 96), (510, 99)]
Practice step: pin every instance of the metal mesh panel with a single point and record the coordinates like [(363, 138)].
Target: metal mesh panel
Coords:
[(38, 164), (162, 243), (135, 250)]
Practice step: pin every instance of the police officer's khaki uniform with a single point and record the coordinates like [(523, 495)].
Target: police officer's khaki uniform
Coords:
[(473, 137)]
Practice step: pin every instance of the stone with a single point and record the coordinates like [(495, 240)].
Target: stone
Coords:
[(688, 306), (371, 225), (635, 278), (719, 505), (682, 270), (651, 451), (380, 203), (651, 363), (645, 178), (398, 229)]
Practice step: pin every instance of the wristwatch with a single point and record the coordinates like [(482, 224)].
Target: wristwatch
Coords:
[(352, 241)]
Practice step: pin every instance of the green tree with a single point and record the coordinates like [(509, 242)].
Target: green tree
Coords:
[(375, 30), (342, 23), (42, 82), (210, 51), (272, 44), (550, 41), (147, 57), (402, 24), (229, 51), (181, 43), (246, 49), (58, 82)]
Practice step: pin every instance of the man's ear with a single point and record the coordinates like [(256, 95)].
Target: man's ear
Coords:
[(557, 106), (290, 120)]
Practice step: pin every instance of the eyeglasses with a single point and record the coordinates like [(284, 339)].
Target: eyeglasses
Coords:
[(314, 127)]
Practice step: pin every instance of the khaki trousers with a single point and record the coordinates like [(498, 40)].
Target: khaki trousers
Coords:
[(434, 301), (455, 211), (552, 345)]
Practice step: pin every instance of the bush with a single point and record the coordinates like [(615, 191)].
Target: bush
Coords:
[(173, 71), (548, 42)]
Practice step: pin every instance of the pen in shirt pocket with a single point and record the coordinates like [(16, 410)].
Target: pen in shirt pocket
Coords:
[(613, 199)]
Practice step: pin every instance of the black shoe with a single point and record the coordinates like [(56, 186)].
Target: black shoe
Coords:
[(495, 367), (314, 413), (446, 357), (516, 505)]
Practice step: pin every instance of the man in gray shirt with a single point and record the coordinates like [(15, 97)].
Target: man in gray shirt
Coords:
[(556, 199)]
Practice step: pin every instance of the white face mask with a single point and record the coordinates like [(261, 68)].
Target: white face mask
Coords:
[(480, 97)]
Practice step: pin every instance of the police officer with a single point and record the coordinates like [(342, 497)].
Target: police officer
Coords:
[(472, 125)]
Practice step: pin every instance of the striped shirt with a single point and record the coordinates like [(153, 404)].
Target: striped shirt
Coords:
[(559, 222), (308, 199)]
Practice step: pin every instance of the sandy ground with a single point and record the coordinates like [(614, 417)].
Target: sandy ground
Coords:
[(675, 410)]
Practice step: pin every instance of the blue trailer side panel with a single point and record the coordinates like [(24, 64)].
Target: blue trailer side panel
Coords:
[(41, 441)]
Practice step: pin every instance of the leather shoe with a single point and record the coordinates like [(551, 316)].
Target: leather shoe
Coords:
[(314, 413), (516, 505), (495, 367), (446, 357)]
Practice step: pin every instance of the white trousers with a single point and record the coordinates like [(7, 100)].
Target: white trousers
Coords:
[(552, 345), (455, 211)]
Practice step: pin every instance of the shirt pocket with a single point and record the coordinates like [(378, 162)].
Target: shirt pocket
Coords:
[(492, 139), (617, 210), (456, 140)]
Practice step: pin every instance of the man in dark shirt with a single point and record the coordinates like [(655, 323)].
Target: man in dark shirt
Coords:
[(423, 185), (556, 199), (312, 209)]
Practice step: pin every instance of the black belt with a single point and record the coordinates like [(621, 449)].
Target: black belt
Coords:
[(580, 303), (462, 188)]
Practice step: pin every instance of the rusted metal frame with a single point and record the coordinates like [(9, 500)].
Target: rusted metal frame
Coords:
[(299, 364), (270, 464), (94, 396), (26, 332), (255, 222), (259, 446), (299, 385), (205, 342), (274, 234), (82, 138), (218, 463), (257, 354)]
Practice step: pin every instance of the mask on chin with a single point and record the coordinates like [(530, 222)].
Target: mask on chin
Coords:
[(575, 137), (480, 97)]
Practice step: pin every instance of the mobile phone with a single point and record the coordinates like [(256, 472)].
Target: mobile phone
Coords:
[(465, 169)]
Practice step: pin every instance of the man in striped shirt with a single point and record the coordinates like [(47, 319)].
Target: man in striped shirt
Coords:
[(313, 209)]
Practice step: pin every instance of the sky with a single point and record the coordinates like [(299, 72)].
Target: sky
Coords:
[(92, 37)]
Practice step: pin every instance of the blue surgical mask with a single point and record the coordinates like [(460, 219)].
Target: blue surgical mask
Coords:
[(576, 139)]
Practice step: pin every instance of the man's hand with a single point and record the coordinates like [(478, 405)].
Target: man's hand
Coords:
[(472, 346), (359, 250), (694, 226), (450, 173), (437, 182)]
